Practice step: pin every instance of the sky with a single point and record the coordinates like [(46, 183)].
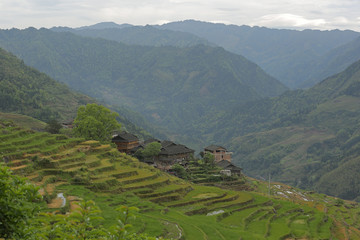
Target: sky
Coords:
[(284, 14)]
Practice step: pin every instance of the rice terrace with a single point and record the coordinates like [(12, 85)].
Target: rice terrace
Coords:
[(70, 169)]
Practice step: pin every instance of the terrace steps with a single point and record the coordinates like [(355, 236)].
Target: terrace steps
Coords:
[(105, 166), (140, 177), (18, 162)]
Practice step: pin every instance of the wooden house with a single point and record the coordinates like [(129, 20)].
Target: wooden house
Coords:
[(125, 142), (170, 154), (226, 165), (220, 153)]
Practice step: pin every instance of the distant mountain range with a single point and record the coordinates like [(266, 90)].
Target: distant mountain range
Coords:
[(171, 86), (297, 58)]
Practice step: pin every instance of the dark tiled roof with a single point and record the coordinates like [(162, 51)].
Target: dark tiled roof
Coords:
[(227, 165), (167, 143), (213, 148), (151, 140), (170, 148), (223, 163), (125, 137)]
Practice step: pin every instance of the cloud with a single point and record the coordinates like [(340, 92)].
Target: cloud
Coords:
[(287, 20)]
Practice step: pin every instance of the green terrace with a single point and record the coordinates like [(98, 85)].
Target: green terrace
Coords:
[(169, 206)]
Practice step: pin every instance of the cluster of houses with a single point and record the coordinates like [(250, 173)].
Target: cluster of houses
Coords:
[(172, 153)]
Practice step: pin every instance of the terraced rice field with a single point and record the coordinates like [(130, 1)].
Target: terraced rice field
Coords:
[(170, 207)]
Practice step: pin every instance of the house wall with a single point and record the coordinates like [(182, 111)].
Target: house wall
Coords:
[(220, 155), (165, 162), (126, 146)]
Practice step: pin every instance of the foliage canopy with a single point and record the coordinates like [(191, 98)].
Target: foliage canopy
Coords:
[(17, 203), (95, 122)]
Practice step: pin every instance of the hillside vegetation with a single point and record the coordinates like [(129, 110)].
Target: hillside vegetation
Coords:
[(27, 91), (169, 206), (304, 138)]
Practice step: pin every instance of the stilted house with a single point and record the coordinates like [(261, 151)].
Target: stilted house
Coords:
[(172, 153), (220, 153), (125, 142)]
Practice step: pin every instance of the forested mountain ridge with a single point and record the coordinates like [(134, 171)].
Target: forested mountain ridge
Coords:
[(298, 58), (137, 35), (307, 138), (171, 86), (288, 55)]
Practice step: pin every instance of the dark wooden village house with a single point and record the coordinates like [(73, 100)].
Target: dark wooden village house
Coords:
[(125, 142)]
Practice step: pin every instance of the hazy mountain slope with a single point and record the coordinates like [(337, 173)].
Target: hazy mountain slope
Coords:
[(285, 54), (306, 138), (174, 87), (27, 91), (334, 61), (138, 35)]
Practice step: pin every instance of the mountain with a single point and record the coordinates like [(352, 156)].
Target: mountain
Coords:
[(138, 35), (306, 138), (27, 91), (288, 55), (297, 58), (106, 25), (173, 87)]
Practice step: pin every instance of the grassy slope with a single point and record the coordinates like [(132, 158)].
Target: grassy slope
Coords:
[(169, 206)]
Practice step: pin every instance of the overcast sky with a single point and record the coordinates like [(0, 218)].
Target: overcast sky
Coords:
[(290, 14)]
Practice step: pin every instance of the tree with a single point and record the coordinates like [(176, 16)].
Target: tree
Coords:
[(17, 204), (180, 171), (151, 150), (53, 126), (95, 122), (208, 161)]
